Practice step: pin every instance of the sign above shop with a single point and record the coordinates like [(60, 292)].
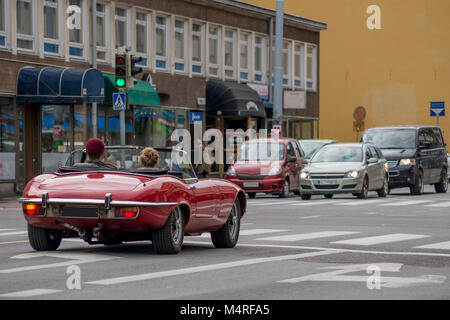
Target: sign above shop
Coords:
[(201, 101), (195, 116), (294, 99), (262, 90)]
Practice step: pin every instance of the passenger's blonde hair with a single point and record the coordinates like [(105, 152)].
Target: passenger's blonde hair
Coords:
[(149, 158)]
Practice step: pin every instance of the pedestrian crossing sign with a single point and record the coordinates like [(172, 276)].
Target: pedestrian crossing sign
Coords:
[(119, 102)]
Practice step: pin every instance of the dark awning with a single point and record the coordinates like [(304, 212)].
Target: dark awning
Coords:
[(60, 85), (226, 98)]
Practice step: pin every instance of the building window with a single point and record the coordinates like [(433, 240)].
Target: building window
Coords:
[(121, 27), (245, 56), (311, 67), (102, 35), (77, 47), (286, 63), (26, 35), (180, 46), (214, 49), (143, 21), (52, 28), (198, 31), (260, 59), (298, 65), (162, 43), (230, 55), (4, 23)]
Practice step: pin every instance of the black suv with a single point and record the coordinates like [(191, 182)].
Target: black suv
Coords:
[(416, 156)]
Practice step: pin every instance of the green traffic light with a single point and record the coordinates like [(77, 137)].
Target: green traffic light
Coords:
[(120, 82)]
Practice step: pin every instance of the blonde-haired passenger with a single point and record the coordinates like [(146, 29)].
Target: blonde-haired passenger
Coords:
[(149, 158)]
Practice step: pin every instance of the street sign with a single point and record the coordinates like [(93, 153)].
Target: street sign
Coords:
[(195, 116), (119, 102), (437, 108)]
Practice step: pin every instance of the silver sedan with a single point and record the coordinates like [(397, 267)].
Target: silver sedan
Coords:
[(355, 168)]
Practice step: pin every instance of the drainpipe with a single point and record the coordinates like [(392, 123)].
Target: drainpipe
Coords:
[(270, 73), (278, 94), (94, 64)]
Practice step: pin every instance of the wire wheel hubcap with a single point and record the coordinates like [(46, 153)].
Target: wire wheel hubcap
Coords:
[(177, 226), (233, 221)]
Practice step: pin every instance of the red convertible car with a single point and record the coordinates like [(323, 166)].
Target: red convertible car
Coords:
[(111, 206)]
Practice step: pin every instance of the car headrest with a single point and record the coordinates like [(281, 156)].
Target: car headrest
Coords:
[(84, 165)]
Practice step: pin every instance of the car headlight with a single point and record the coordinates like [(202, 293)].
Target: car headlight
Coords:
[(274, 171), (352, 174), (386, 167), (407, 162), (231, 172), (305, 175)]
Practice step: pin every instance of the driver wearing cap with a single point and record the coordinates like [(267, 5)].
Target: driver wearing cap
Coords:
[(95, 149)]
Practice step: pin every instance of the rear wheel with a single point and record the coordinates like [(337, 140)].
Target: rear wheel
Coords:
[(417, 188), (329, 196), (43, 239), (169, 239), (228, 235), (442, 186), (384, 191), (365, 189), (285, 191)]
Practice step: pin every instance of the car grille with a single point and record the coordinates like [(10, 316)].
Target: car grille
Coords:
[(250, 177), (327, 187), (349, 186), (328, 176), (392, 163)]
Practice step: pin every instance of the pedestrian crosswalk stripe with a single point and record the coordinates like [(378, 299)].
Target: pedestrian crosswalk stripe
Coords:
[(1, 230), (381, 239), (318, 202), (362, 202), (275, 203), (439, 205), (14, 233), (440, 245), (404, 203), (251, 232), (29, 293), (308, 236)]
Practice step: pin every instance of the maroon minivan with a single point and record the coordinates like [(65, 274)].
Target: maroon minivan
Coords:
[(268, 166)]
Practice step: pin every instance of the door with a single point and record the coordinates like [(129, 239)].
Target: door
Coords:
[(32, 137), (380, 171), (425, 157), (372, 170)]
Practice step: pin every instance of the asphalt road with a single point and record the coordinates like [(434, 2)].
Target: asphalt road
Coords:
[(343, 248)]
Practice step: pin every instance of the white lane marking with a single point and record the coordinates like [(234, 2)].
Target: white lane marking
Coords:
[(29, 293), (371, 213), (211, 267), (74, 258), (309, 217), (308, 236), (15, 233), (361, 202), (317, 202), (404, 203), (250, 232), (246, 224), (395, 237), (439, 246), (275, 203), (1, 230), (439, 205), (386, 282)]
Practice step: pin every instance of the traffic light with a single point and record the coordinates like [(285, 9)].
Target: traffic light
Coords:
[(121, 71), (132, 70)]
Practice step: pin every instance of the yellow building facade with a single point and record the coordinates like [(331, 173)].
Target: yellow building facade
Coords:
[(394, 72)]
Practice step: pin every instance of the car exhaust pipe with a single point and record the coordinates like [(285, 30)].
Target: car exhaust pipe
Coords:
[(81, 233)]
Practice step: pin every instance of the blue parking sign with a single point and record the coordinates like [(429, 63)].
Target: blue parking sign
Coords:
[(437, 109), (119, 102)]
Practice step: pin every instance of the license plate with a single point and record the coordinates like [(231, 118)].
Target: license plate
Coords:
[(79, 212), (251, 184), (326, 182)]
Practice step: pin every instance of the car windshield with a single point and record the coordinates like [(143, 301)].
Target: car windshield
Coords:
[(338, 154), (261, 152), (310, 147), (391, 139)]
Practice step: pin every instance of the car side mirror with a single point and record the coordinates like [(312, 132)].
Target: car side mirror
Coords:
[(291, 159), (305, 161), (372, 160)]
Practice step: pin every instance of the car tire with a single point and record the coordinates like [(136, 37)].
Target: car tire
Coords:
[(417, 188), (384, 191), (43, 239), (252, 195), (169, 239), (365, 189), (442, 186), (306, 197), (328, 196), (285, 191), (227, 236)]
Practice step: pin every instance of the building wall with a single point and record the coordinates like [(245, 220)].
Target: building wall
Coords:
[(394, 72)]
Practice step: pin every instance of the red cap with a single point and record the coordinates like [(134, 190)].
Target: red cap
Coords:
[(95, 145)]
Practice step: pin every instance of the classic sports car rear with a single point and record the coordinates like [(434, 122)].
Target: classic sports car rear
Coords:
[(111, 206)]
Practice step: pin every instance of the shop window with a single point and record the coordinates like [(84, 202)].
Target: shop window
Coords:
[(214, 49), (7, 140), (230, 56), (244, 46), (26, 30), (143, 22), (198, 53), (121, 27), (154, 127), (180, 43), (162, 43), (102, 31)]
